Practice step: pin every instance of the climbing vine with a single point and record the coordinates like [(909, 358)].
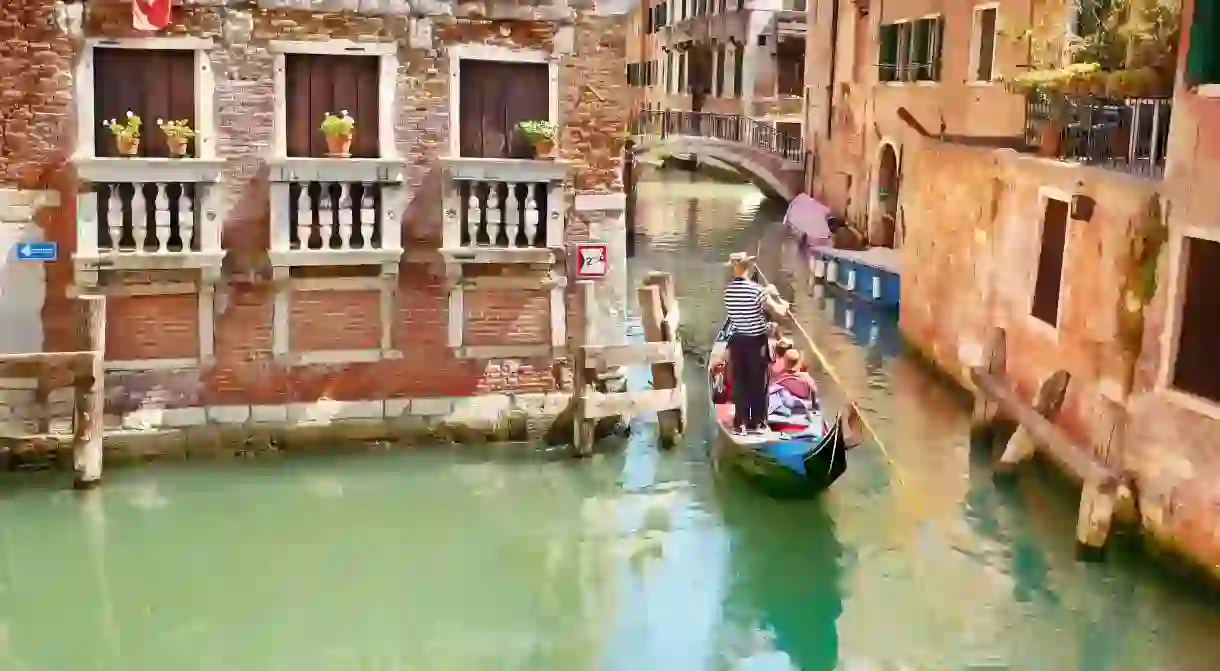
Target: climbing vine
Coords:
[(1139, 280)]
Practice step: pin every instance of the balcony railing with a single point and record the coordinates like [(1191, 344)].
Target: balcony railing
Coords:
[(503, 210), (148, 213), (756, 134), (335, 212), (1128, 135)]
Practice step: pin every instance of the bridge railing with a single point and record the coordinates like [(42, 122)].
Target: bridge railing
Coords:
[(728, 127)]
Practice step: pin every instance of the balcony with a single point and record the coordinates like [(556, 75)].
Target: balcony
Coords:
[(1126, 135), (336, 212), (503, 210), (147, 214)]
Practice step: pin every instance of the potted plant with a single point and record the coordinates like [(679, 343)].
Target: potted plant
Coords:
[(338, 129), (177, 135), (126, 133), (540, 134)]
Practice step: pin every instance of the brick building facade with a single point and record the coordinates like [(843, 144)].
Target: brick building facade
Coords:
[(267, 277)]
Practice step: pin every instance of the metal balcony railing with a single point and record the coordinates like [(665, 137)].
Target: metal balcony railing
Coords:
[(1128, 135), (726, 127)]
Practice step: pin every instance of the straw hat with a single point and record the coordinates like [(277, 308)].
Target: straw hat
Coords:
[(740, 259)]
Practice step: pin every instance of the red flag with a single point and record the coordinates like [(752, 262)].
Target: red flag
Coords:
[(150, 15)]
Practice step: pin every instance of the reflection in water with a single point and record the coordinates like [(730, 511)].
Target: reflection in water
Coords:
[(501, 559)]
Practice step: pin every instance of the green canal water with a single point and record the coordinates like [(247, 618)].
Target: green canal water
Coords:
[(472, 559)]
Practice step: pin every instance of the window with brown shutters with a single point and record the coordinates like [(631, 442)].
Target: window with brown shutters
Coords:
[(317, 84), (153, 84), (1045, 305), (495, 96), (1195, 370)]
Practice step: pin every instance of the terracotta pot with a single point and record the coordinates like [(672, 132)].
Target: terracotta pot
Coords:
[(126, 145), (1050, 136), (544, 148), (176, 146), (339, 146)]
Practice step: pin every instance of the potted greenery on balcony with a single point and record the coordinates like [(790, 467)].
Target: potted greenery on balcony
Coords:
[(338, 129), (177, 135), (1128, 50), (126, 134), (541, 135)]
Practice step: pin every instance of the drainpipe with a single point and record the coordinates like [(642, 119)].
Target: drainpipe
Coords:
[(834, 53)]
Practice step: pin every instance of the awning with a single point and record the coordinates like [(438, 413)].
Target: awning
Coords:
[(808, 218)]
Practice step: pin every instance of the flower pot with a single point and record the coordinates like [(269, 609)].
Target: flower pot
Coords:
[(339, 146), (126, 145), (1050, 137), (176, 146), (544, 148)]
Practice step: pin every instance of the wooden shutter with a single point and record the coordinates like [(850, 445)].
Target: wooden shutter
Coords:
[(154, 84), (1203, 44), (938, 48), (1195, 370), (1050, 262), (495, 97), (318, 84)]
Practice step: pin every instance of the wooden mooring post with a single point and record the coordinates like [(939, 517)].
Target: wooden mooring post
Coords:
[(1105, 494), (663, 351), (84, 373)]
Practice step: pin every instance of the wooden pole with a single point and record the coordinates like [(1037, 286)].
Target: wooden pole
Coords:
[(994, 357), (90, 399), (664, 376), (1022, 445)]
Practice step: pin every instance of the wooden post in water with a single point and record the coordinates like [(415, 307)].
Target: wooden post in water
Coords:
[(659, 314), (584, 430), (90, 399), (986, 410), (1022, 445)]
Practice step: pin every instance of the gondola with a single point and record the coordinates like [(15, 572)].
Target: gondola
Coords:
[(785, 463)]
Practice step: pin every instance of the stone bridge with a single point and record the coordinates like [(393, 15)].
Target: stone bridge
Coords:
[(771, 160)]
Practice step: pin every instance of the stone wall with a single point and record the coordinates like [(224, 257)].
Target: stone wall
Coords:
[(38, 121), (970, 261)]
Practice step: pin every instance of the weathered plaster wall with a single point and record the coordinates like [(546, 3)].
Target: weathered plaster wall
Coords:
[(1175, 445)]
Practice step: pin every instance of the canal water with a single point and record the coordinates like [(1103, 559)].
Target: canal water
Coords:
[(472, 559)]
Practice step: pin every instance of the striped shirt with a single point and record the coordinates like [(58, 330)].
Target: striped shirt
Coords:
[(743, 302)]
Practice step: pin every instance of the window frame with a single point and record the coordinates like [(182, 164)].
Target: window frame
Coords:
[(87, 122), (935, 48), (1045, 195), (484, 52), (1170, 337), (976, 42), (387, 85)]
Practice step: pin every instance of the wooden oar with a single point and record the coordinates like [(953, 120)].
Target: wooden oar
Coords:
[(854, 412)]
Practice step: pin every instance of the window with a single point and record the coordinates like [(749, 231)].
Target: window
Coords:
[(1195, 370), (738, 68), (669, 72), (1203, 45), (682, 59), (982, 44), (925, 50), (153, 84), (1045, 304), (315, 84), (888, 54), (495, 97), (718, 86), (790, 67)]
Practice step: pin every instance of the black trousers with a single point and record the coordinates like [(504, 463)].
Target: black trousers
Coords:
[(748, 363)]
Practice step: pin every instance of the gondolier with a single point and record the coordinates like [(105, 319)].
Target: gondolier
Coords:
[(746, 304)]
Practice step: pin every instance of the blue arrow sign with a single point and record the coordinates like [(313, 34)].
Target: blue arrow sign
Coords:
[(37, 251)]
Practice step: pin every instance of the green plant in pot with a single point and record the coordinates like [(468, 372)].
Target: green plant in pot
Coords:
[(177, 134), (126, 133), (540, 134), (338, 129)]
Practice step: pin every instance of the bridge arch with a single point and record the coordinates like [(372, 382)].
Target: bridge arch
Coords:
[(773, 183)]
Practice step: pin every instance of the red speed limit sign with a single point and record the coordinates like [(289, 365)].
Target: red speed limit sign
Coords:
[(591, 261)]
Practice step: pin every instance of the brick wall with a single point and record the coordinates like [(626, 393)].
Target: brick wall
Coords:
[(36, 118)]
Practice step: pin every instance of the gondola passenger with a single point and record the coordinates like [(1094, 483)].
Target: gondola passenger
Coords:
[(792, 397)]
